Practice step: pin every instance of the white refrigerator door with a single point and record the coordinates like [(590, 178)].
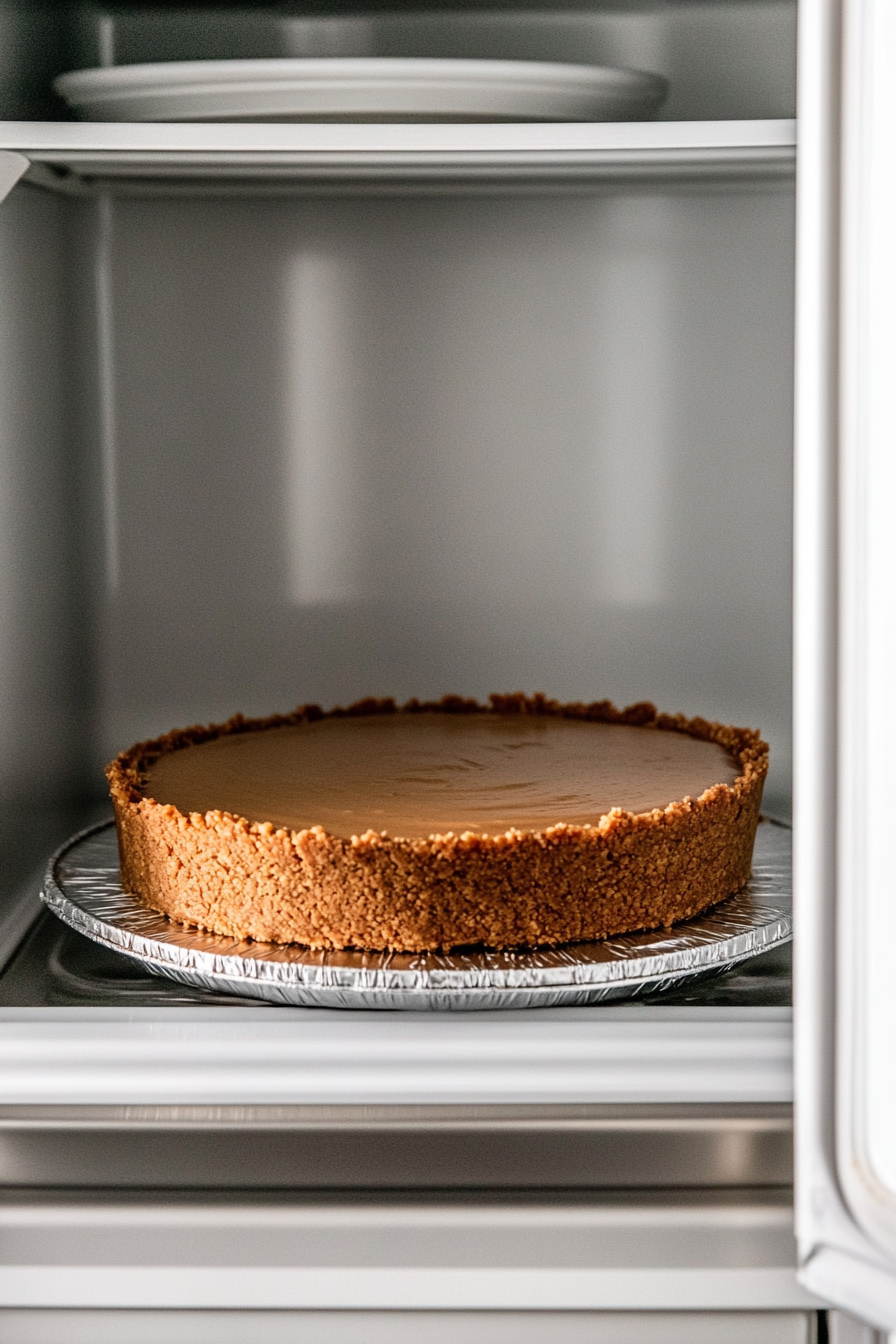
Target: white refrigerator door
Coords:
[(846, 657)]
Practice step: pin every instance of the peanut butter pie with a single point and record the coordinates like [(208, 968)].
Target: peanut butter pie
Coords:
[(435, 826)]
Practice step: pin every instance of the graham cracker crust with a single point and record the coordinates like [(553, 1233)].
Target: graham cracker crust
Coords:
[(522, 889)]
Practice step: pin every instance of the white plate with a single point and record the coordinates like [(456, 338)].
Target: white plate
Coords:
[(362, 89)]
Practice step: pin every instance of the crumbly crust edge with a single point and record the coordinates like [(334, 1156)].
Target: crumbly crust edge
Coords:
[(127, 785)]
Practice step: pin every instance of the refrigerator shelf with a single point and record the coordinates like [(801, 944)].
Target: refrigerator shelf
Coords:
[(197, 1056), (81, 158)]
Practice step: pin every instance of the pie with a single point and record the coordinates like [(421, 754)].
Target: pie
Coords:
[(434, 826)]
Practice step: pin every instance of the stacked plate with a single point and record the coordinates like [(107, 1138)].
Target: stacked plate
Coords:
[(364, 88)]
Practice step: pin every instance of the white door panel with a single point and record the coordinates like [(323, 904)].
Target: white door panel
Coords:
[(866, 930), (846, 639)]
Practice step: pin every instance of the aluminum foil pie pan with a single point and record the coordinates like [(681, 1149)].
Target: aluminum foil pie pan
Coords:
[(83, 887)]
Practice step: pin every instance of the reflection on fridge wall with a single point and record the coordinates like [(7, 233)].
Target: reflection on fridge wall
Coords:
[(399, 447), (402, 446)]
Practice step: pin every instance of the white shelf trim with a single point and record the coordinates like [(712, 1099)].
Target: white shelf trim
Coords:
[(317, 1057), (70, 152), (404, 1289)]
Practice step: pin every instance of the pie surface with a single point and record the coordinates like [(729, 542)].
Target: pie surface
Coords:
[(428, 827), (416, 775)]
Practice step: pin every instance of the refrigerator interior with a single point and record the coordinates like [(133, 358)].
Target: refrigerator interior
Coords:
[(274, 442), (272, 433)]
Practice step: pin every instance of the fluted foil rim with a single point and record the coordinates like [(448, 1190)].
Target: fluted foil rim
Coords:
[(83, 887)]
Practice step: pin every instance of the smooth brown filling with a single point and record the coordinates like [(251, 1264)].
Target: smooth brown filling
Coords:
[(415, 775)]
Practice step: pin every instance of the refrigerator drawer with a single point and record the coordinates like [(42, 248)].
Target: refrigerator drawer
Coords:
[(550, 1251), (394, 1147)]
